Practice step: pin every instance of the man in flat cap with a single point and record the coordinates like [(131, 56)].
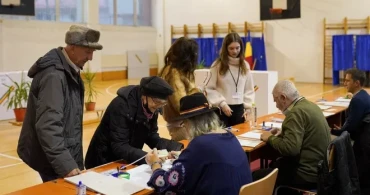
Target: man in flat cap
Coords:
[(50, 141), (129, 122)]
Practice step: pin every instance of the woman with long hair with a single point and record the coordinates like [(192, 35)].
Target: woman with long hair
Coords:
[(180, 63), (231, 85)]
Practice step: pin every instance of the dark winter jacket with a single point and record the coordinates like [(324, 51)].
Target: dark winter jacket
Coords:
[(343, 179), (50, 141), (124, 130)]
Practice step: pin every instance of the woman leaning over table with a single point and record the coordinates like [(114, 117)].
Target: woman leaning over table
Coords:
[(180, 64), (213, 163), (231, 85)]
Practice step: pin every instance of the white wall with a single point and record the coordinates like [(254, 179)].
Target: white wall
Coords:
[(294, 47), (23, 42)]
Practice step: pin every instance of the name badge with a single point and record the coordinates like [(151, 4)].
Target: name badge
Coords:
[(237, 95)]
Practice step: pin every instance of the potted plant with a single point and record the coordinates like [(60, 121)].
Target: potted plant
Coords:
[(17, 96), (90, 89)]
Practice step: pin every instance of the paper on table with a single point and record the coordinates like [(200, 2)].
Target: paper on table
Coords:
[(140, 175), (268, 124), (249, 143), (341, 99), (105, 184), (328, 113), (323, 107), (251, 135), (339, 104)]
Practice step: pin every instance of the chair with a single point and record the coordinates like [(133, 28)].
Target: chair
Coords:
[(264, 186), (313, 192)]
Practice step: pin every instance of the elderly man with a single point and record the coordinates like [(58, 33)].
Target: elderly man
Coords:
[(302, 141), (129, 122), (50, 141)]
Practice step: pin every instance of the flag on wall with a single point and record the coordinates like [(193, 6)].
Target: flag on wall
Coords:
[(248, 52)]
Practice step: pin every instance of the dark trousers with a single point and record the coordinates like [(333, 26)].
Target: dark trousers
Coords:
[(46, 178), (236, 117), (287, 177)]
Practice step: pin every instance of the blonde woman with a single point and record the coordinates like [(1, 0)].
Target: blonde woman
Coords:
[(180, 64), (231, 85)]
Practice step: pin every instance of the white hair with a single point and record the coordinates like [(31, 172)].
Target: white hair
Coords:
[(203, 124), (287, 88)]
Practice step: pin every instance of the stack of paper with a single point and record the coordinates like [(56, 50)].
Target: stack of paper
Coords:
[(339, 104), (328, 113), (341, 99), (105, 184), (249, 139), (322, 107), (140, 175)]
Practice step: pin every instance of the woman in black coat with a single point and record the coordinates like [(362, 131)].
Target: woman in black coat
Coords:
[(129, 122)]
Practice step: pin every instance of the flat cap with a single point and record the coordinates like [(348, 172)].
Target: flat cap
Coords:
[(155, 87), (83, 36)]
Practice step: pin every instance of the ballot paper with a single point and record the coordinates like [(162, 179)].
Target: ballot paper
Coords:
[(251, 135), (341, 99), (339, 104), (323, 107), (105, 184), (141, 174), (328, 113), (249, 142)]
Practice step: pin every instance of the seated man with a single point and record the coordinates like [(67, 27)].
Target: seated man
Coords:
[(302, 142), (129, 122), (358, 114)]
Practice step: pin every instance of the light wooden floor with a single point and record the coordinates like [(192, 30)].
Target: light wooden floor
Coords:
[(15, 175)]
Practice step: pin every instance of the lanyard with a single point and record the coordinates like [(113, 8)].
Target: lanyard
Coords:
[(237, 81)]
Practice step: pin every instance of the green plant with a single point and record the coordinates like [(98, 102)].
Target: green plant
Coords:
[(201, 65), (17, 93), (90, 89)]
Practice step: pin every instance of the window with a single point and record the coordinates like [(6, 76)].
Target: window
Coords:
[(44, 10), (106, 11), (144, 13), (69, 11), (125, 12), (122, 12)]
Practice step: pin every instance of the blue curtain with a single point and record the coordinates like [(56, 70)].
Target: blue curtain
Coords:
[(343, 55), (363, 52), (259, 53), (209, 49)]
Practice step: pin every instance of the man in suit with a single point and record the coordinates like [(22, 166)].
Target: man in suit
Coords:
[(357, 124), (359, 105)]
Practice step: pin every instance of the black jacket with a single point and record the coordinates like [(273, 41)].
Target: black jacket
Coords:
[(343, 179), (50, 141), (361, 150), (124, 130)]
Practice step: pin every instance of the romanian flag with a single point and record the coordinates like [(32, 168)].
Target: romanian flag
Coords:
[(248, 52)]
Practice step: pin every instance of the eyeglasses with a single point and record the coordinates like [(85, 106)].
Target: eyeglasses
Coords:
[(159, 102)]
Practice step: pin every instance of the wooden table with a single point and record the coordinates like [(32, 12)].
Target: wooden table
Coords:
[(60, 186)]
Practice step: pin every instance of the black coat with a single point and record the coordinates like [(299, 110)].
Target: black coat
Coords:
[(361, 150), (124, 130), (343, 179), (50, 141)]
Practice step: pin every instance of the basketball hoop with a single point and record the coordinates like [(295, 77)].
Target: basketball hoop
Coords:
[(276, 12)]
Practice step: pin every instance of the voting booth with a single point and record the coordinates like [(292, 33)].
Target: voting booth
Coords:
[(265, 80)]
